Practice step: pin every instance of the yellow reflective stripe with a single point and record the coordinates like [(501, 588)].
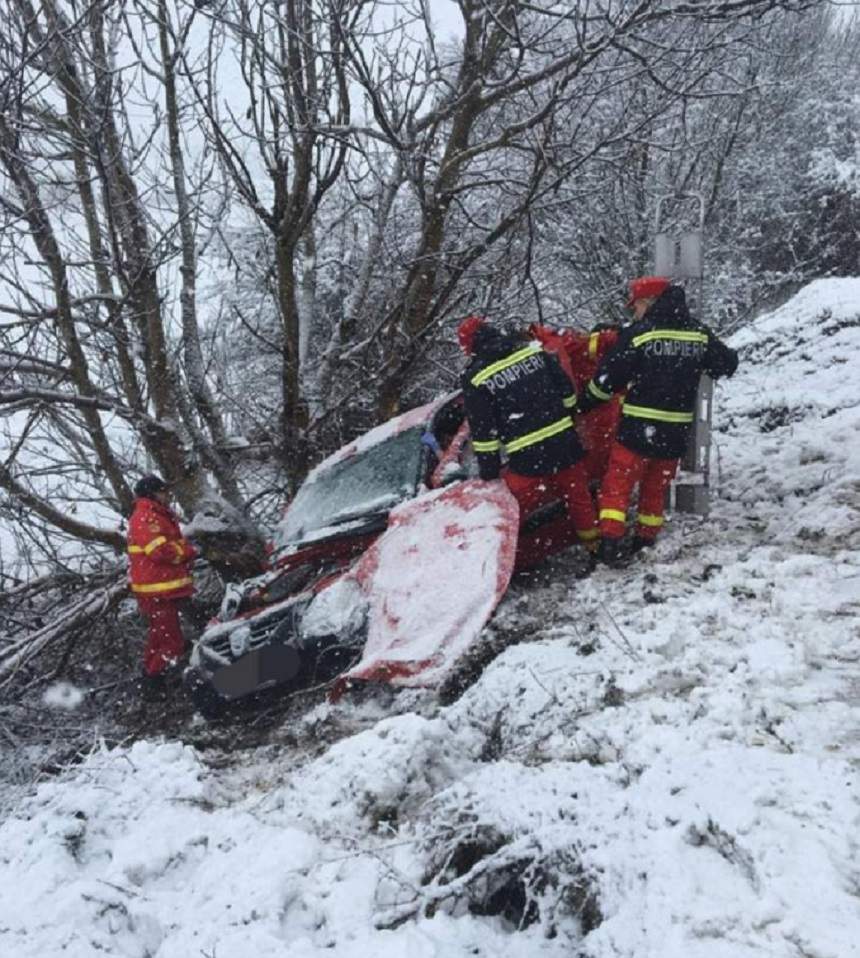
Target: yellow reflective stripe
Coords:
[(661, 415), (592, 344), (650, 520), (496, 367), (149, 548), (679, 335), (595, 390), (587, 534), (539, 435), (162, 586), (569, 402), (488, 445), (615, 514)]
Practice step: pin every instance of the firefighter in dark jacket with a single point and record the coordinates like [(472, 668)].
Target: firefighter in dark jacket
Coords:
[(658, 360), (160, 576), (520, 402)]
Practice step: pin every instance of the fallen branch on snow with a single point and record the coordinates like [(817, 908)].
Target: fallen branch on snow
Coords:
[(94, 603)]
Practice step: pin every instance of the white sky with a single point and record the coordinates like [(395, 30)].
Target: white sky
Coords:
[(447, 18)]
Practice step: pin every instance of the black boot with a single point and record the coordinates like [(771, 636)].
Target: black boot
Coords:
[(153, 688), (588, 566), (611, 551), (639, 543)]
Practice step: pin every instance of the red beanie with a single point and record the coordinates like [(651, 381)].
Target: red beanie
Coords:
[(646, 287), (467, 330)]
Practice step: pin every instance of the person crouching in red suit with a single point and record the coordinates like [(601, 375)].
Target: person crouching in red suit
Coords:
[(579, 355), (160, 576)]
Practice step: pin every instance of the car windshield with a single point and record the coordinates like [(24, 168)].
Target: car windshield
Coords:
[(354, 488)]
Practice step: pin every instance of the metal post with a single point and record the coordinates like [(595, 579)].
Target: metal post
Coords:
[(679, 256)]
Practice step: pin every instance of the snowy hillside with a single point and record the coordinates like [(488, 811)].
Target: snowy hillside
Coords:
[(665, 765)]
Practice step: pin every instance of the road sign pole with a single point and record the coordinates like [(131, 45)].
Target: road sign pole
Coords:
[(679, 255)]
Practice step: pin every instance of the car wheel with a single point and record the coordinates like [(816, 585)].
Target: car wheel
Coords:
[(205, 699), (211, 706)]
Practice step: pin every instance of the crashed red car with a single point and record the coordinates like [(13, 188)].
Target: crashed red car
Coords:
[(385, 568)]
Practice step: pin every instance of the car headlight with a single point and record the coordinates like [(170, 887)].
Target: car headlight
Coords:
[(340, 609), (240, 639)]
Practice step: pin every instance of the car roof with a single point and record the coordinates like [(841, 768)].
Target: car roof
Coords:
[(420, 415)]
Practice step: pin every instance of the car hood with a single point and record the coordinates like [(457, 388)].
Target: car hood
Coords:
[(432, 580)]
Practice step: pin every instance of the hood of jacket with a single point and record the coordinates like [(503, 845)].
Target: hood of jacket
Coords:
[(670, 309), (489, 343)]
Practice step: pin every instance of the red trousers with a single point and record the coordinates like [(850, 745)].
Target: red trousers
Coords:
[(624, 471), (597, 431), (570, 484), (165, 644)]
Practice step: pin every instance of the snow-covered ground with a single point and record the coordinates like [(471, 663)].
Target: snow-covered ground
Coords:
[(665, 765)]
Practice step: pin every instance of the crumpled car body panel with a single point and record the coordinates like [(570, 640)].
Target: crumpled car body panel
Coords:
[(432, 581)]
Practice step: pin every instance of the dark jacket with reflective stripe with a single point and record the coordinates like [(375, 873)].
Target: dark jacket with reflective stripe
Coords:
[(518, 400), (659, 359)]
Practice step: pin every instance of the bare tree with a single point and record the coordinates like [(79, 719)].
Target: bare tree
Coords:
[(97, 231), (476, 131), (291, 63)]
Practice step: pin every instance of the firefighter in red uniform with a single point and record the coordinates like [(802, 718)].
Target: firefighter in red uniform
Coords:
[(658, 360), (160, 575), (519, 401), (579, 355)]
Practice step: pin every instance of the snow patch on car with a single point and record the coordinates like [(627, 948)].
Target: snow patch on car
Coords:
[(339, 609), (433, 579)]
